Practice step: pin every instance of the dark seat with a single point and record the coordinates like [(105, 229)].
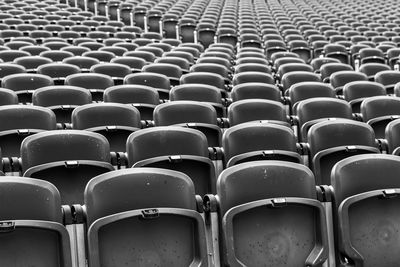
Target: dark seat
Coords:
[(260, 206), (31, 212), (66, 158), (156, 206)]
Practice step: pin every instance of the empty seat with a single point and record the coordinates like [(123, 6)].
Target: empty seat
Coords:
[(252, 76), (355, 92), (335, 139), (66, 158), (24, 84), (158, 81), (190, 114), (144, 98), (114, 121), (264, 141), (161, 147), (256, 109), (58, 71), (173, 232), (370, 69), (96, 83), (388, 78), (202, 93), (328, 69), (366, 204), (85, 63), (61, 99), (341, 78), (250, 90), (378, 111), (116, 71), (294, 77), (31, 212), (249, 195), (313, 110), (31, 63)]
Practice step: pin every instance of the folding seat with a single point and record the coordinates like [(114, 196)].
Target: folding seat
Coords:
[(266, 141), (20, 121), (245, 67), (25, 83), (371, 55), (256, 109), (388, 78), (336, 51), (177, 223), (9, 34), (67, 158), (84, 63), (161, 147), (92, 45), (370, 69), (243, 189), (328, 69), (173, 72), (313, 110), (273, 46), (116, 71), (289, 67), (62, 100), (305, 90), (378, 111), (142, 41), (301, 48), (355, 92), (317, 63), (156, 51), (155, 80), (34, 50), (58, 71), (117, 51), (114, 121), (255, 90), (332, 140), (10, 68), (143, 98), (76, 50), (10, 55), (190, 114), (392, 137), (341, 78), (252, 76), (135, 63), (31, 63), (293, 77), (206, 78), (31, 212), (96, 83), (8, 97), (182, 63), (365, 204), (146, 55)]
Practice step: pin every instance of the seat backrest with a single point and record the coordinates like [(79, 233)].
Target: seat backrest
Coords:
[(105, 114), (29, 199), (322, 107), (56, 95), (255, 109), (258, 180), (378, 106), (184, 112), (165, 141), (339, 132), (90, 80), (26, 81), (137, 188), (26, 117), (131, 93), (363, 173), (63, 145), (256, 136)]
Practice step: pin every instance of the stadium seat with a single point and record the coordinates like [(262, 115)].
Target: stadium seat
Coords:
[(156, 206), (31, 213), (257, 208), (113, 120), (162, 147), (66, 158)]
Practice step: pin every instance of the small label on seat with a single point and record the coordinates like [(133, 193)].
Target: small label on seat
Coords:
[(279, 202), (6, 227), (23, 131), (71, 164), (150, 214), (389, 193)]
